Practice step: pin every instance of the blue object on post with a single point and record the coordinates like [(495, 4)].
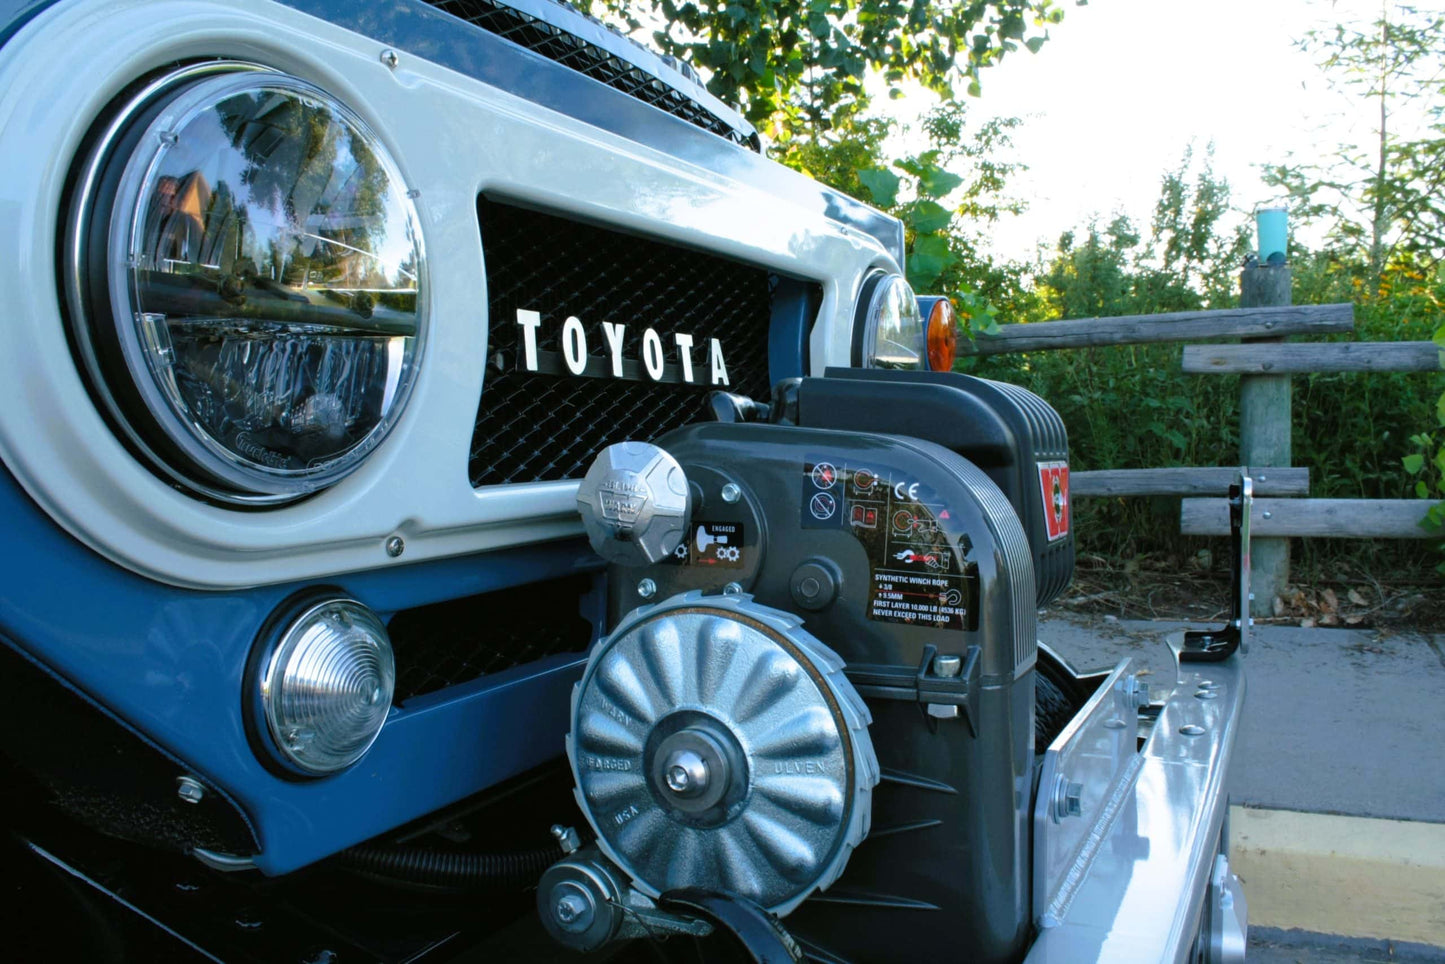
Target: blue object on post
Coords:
[(1272, 225)]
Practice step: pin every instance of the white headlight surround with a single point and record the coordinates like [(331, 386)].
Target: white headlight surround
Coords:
[(889, 330), (321, 685), (245, 280)]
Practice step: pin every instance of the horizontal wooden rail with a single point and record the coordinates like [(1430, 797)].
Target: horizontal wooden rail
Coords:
[(1168, 326), (1343, 356), (1213, 480), (1319, 518)]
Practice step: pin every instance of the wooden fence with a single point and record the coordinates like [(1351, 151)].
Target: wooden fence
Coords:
[(1266, 363)]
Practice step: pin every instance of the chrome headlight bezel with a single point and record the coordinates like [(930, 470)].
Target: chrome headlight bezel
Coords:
[(889, 331), (109, 331)]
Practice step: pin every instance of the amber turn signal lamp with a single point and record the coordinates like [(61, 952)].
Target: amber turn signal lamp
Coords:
[(942, 336)]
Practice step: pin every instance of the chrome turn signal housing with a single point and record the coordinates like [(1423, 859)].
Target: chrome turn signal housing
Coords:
[(325, 686)]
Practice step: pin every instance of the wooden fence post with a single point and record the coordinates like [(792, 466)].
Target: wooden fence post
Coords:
[(1264, 430)]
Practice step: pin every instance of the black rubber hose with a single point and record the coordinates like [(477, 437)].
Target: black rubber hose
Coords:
[(434, 868)]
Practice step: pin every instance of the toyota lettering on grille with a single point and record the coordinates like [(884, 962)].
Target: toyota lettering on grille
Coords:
[(654, 365)]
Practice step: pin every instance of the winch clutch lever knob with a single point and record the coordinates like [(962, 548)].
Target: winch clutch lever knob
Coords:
[(635, 503)]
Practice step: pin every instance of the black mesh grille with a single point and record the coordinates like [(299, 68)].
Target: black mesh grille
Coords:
[(451, 642), (557, 45), (534, 427)]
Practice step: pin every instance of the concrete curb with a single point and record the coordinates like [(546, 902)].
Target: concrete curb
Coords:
[(1352, 876)]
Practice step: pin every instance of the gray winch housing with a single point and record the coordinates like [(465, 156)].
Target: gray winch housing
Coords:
[(906, 561)]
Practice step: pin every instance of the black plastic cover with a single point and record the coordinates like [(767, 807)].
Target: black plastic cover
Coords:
[(1012, 434)]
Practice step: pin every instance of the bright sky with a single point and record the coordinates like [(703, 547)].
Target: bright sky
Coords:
[(1122, 87)]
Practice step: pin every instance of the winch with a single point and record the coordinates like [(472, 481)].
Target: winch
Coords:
[(817, 695)]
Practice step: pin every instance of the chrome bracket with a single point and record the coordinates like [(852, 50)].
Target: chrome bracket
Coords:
[(1211, 646), (1087, 777)]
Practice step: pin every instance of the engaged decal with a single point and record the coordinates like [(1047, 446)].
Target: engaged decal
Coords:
[(1054, 482), (575, 358), (720, 544)]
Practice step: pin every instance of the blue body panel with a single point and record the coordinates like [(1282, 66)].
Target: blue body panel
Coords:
[(171, 663)]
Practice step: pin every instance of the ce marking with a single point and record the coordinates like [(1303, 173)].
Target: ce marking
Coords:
[(906, 490)]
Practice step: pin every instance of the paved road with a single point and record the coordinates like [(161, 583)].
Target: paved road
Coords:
[(1268, 946), (1336, 720)]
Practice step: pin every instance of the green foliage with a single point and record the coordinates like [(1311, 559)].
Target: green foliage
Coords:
[(1381, 199), (882, 184), (797, 70), (1131, 407), (1381, 205), (793, 64), (1187, 263), (945, 195), (1194, 253), (1352, 429), (1427, 463)]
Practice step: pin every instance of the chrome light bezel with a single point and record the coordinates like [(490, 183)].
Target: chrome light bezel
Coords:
[(266, 672), (873, 296), (97, 296)]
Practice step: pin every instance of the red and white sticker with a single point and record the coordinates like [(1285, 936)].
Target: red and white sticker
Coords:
[(1054, 481)]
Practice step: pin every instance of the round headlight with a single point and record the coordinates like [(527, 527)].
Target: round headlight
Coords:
[(326, 686), (889, 328), (246, 274)]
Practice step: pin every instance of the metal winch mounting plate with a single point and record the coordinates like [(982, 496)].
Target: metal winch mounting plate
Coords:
[(716, 744)]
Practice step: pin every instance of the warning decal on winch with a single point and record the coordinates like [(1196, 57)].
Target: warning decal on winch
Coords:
[(1054, 482), (916, 575)]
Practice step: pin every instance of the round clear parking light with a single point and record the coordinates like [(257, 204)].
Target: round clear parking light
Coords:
[(327, 686), (250, 271), (891, 332)]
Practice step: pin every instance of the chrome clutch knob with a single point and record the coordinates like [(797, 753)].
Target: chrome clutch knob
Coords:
[(634, 502)]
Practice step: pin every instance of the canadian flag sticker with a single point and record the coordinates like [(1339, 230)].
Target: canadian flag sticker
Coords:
[(1054, 481)]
